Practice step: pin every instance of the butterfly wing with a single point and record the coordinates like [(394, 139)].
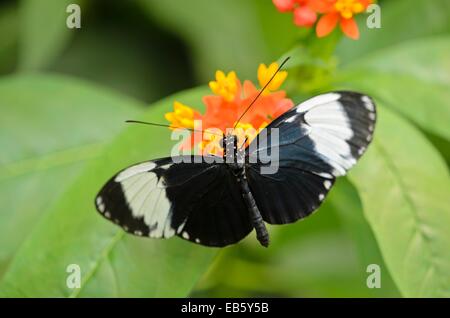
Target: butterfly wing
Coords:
[(319, 140), (288, 195), (190, 198)]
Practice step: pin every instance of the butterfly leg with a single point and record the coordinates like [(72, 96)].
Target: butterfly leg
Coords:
[(257, 221)]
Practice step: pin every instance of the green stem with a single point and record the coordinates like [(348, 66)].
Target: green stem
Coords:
[(313, 64)]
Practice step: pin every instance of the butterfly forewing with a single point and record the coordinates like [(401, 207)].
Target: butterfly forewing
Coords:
[(319, 140)]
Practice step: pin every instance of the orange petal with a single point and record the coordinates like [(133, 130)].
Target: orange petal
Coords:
[(321, 6), (219, 113), (249, 89), (282, 106), (326, 24), (304, 17), (350, 28), (284, 5)]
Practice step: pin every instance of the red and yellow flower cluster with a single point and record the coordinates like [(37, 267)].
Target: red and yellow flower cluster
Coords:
[(333, 12), (230, 99)]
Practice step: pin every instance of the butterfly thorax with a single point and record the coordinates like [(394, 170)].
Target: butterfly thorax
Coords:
[(233, 155)]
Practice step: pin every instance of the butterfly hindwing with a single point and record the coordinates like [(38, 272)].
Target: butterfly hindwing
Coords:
[(289, 194), (319, 140), (195, 200), (220, 217)]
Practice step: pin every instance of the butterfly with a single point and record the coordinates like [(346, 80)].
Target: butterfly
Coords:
[(218, 202)]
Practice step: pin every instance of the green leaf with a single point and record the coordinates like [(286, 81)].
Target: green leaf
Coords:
[(44, 33), (401, 20), (411, 78), (50, 126), (424, 59), (112, 263), (227, 35), (409, 217), (345, 200)]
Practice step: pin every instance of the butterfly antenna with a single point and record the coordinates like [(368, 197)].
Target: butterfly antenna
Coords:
[(243, 144), (167, 126), (261, 91)]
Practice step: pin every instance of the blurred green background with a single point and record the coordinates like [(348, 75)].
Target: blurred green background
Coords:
[(65, 93)]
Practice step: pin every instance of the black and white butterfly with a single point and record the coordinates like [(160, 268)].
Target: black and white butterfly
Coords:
[(220, 203)]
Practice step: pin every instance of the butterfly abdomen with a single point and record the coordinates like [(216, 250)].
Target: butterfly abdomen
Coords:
[(255, 216)]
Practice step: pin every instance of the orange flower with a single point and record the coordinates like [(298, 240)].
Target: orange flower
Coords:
[(333, 12), (230, 101), (339, 11)]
